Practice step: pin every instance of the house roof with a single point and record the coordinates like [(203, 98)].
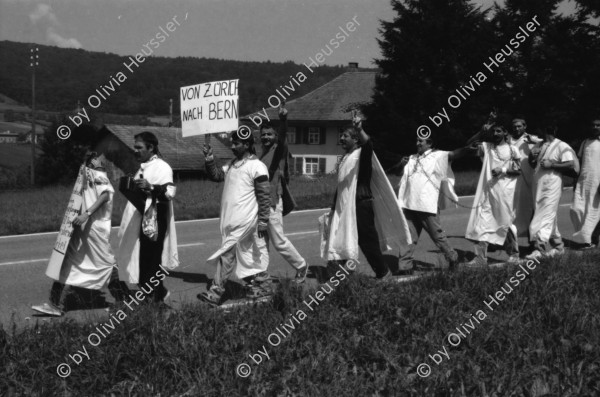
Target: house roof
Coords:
[(332, 101), (181, 153)]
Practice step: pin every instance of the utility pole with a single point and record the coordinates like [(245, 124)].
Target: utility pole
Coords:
[(34, 62)]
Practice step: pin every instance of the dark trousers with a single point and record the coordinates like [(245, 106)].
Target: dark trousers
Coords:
[(368, 239), (151, 256), (417, 221)]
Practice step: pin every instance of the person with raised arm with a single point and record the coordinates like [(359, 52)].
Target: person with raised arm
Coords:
[(365, 211), (426, 186), (275, 156), (493, 214)]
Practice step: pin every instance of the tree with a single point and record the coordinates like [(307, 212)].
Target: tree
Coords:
[(430, 49), (61, 158)]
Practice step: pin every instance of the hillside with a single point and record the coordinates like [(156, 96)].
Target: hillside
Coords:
[(68, 75)]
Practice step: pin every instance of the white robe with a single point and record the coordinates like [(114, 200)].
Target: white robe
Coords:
[(390, 222), (585, 210), (524, 190), (239, 219), (89, 258), (427, 183), (547, 188), (493, 213), (157, 172)]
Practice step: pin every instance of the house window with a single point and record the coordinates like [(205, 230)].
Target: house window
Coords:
[(291, 135), (314, 135), (311, 165)]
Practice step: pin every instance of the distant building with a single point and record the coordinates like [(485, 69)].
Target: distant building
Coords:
[(184, 155), (8, 137), (317, 119)]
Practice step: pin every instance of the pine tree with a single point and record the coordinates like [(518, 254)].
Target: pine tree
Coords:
[(430, 49)]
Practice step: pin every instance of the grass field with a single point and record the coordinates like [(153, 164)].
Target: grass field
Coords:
[(363, 338), (41, 210)]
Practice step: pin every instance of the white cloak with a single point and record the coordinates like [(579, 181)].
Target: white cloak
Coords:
[(89, 258), (493, 213), (157, 172), (524, 204), (547, 189), (239, 218), (585, 210), (390, 222)]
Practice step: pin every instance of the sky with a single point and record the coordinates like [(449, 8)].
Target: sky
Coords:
[(248, 30)]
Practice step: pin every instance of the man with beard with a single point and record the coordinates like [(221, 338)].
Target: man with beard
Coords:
[(492, 217), (524, 190), (585, 210), (245, 206), (550, 159), (89, 261), (147, 237), (426, 186), (275, 157), (365, 212)]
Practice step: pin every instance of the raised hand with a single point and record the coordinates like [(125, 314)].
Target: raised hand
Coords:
[(207, 150), (356, 121), (282, 110)]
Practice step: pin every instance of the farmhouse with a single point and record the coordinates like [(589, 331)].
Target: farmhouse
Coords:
[(183, 154), (317, 119)]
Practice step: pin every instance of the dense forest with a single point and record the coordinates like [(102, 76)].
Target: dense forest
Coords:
[(65, 76)]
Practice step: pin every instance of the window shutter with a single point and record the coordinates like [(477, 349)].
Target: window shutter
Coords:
[(298, 165), (323, 135), (322, 162), (305, 135)]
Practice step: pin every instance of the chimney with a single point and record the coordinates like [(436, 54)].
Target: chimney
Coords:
[(352, 66)]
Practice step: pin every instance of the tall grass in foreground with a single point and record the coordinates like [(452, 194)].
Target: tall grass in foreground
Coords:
[(365, 338), (42, 210)]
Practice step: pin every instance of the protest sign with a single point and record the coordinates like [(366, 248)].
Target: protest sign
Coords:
[(209, 108), (74, 208)]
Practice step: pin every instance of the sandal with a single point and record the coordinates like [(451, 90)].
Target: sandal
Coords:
[(210, 297), (301, 275)]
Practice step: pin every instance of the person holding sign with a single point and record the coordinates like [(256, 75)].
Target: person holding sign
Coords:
[(365, 212), (88, 261), (148, 241), (275, 157), (245, 205)]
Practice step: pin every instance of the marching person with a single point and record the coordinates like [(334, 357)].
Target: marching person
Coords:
[(585, 210), (549, 158), (244, 219), (493, 215), (89, 261), (275, 157), (147, 236), (524, 189), (426, 186), (365, 212)]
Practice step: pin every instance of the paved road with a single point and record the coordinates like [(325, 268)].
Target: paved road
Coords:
[(23, 260)]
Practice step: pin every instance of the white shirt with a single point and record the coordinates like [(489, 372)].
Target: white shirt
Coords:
[(424, 174)]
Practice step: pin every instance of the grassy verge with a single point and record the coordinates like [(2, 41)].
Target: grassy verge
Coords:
[(42, 210), (363, 339)]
